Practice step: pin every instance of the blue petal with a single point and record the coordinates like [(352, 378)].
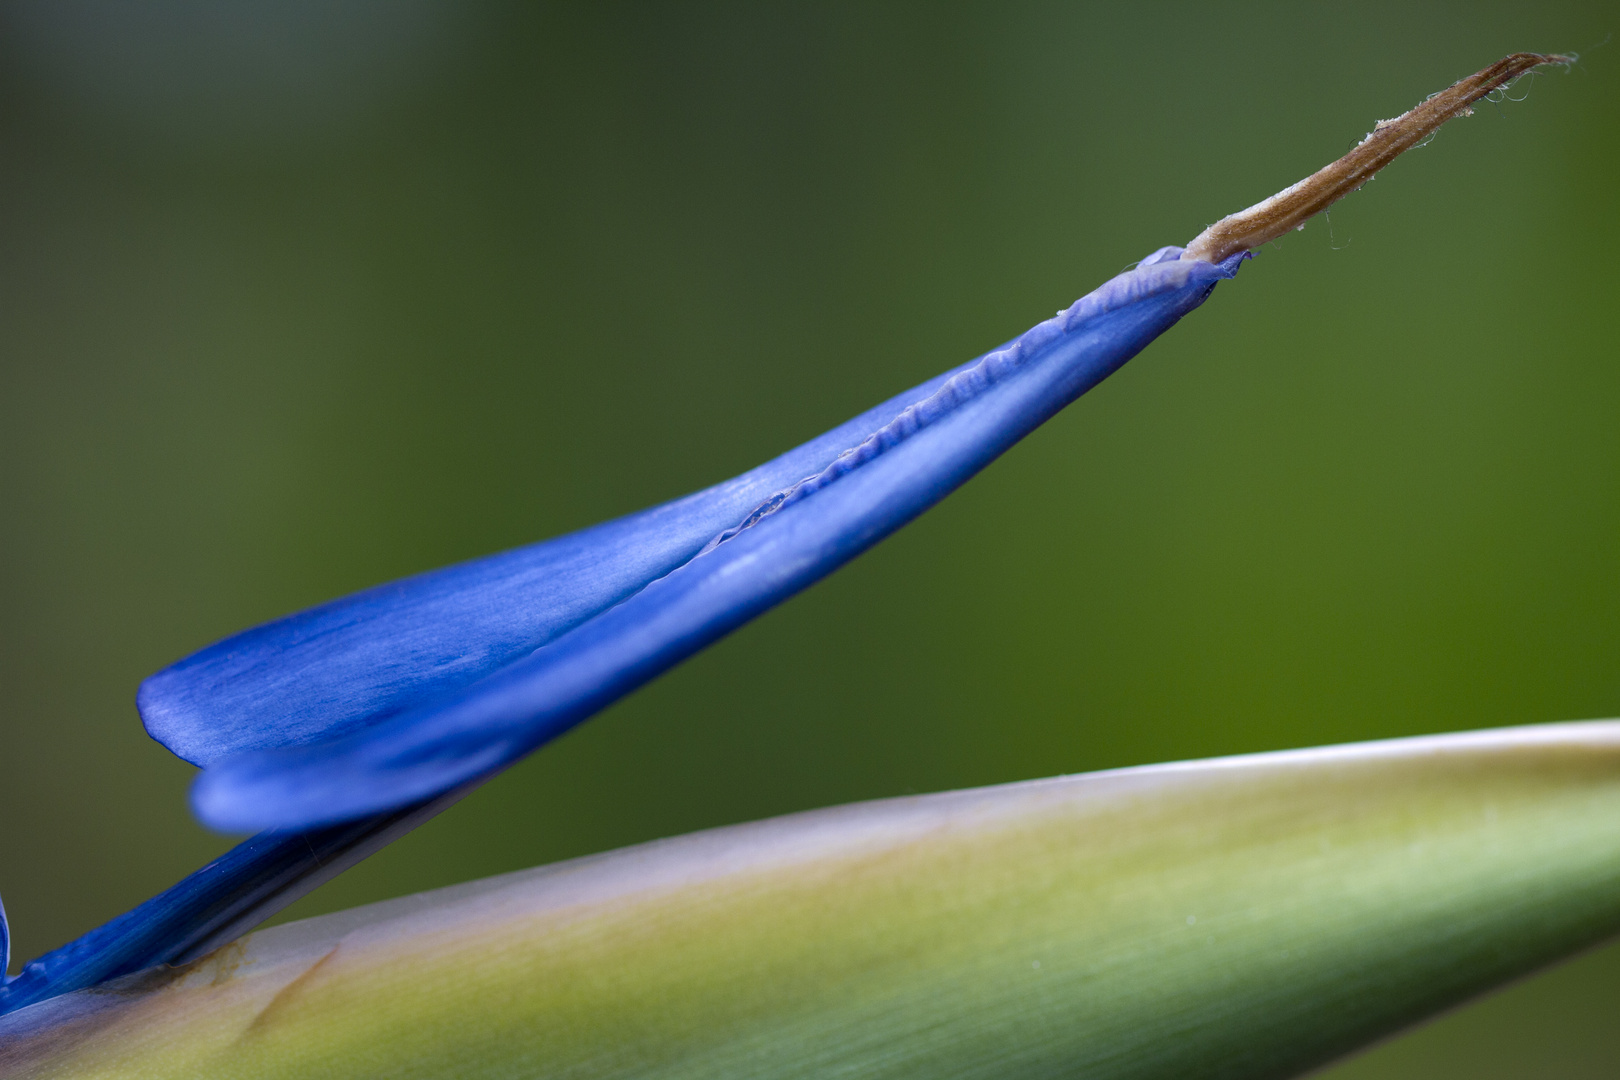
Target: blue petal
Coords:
[(420, 674), (619, 604), (5, 946), (211, 907), (347, 664)]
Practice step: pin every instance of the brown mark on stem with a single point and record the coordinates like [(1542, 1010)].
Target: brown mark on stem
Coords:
[(1291, 207)]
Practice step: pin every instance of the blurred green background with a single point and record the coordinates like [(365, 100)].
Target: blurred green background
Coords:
[(296, 298)]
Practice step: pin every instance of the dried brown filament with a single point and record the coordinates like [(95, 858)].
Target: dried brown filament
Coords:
[(1295, 205)]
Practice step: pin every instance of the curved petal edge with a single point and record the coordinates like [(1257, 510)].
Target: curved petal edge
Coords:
[(769, 551)]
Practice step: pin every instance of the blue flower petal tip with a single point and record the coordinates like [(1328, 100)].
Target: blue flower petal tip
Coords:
[(398, 693)]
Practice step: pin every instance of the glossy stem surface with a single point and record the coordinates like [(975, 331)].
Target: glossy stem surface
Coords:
[(1237, 919)]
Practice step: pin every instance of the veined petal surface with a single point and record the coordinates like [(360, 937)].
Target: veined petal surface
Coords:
[(1247, 917), (326, 671), (615, 607)]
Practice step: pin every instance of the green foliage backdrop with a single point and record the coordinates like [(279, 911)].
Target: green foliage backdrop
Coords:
[(295, 300)]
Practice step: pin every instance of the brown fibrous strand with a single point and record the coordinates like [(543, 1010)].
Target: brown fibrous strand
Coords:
[(1291, 207)]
